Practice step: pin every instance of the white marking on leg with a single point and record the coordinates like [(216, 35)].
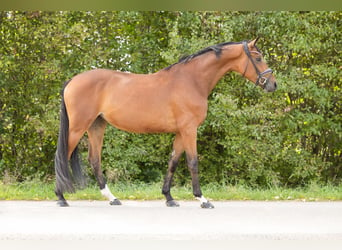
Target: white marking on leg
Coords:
[(107, 193), (202, 199)]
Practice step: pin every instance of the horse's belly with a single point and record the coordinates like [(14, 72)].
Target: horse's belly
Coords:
[(142, 121)]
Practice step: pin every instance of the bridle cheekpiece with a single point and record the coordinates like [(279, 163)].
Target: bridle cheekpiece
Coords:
[(262, 80)]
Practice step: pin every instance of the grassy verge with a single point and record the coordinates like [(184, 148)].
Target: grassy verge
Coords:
[(45, 191)]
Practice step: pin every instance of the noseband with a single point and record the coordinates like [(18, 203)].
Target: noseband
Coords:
[(262, 80)]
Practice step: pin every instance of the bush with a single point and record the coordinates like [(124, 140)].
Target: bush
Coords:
[(289, 138)]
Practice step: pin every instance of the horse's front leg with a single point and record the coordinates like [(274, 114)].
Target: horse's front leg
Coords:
[(178, 149), (190, 144), (193, 167)]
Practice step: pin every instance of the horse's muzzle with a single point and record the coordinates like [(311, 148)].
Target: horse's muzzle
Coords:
[(270, 87)]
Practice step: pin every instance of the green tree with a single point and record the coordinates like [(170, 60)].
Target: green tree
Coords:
[(291, 137)]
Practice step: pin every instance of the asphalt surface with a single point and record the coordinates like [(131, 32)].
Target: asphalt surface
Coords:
[(152, 220)]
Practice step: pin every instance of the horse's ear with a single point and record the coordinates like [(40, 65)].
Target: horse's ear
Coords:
[(253, 42), (256, 40)]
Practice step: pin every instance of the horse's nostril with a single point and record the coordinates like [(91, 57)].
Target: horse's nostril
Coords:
[(275, 85)]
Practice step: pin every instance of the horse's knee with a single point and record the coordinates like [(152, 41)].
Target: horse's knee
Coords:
[(193, 165)]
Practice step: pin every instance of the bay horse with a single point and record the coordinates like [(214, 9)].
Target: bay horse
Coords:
[(172, 100)]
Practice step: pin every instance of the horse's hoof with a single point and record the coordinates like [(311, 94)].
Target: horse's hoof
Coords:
[(62, 203), (207, 205), (172, 203), (115, 202)]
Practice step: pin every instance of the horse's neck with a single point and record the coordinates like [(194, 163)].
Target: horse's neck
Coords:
[(208, 71)]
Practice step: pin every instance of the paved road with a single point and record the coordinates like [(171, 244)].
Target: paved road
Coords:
[(153, 220)]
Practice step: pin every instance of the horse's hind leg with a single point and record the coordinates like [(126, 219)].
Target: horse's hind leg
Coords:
[(95, 137)]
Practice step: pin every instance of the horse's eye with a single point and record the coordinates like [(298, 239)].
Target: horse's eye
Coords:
[(258, 59)]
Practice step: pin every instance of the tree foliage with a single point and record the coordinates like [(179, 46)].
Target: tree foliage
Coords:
[(288, 138)]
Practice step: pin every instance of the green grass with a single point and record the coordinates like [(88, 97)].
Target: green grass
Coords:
[(45, 191)]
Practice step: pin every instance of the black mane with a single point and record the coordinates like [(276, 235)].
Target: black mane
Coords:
[(215, 48)]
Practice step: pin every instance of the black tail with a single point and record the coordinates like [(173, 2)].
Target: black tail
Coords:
[(64, 179)]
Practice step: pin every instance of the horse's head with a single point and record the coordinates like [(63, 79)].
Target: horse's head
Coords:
[(256, 69)]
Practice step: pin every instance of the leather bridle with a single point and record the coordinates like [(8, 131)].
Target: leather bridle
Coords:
[(261, 80)]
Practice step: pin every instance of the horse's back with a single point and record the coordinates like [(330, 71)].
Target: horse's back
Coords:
[(94, 78)]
